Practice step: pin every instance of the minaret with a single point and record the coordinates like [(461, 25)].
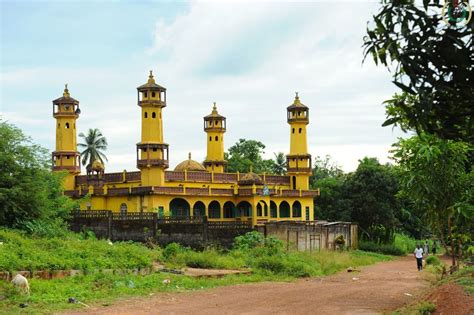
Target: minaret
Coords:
[(214, 126), (298, 162), (65, 157), (152, 152)]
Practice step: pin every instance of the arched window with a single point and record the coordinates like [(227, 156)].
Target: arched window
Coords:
[(273, 209), (153, 94), (294, 182), (216, 138), (296, 209), (284, 209), (293, 130), (153, 115), (179, 207), (67, 125), (299, 130), (210, 138), (146, 115), (199, 209), (214, 210), (145, 95), (229, 211)]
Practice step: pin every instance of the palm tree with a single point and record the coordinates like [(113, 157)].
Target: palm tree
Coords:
[(280, 163), (94, 145)]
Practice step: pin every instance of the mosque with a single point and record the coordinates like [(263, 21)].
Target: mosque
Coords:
[(192, 188)]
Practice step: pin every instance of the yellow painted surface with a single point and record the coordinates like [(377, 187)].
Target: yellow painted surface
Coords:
[(160, 200)]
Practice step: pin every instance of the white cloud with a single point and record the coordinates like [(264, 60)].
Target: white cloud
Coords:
[(250, 58)]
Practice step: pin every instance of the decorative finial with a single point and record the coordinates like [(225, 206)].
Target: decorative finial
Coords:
[(297, 99), (151, 79), (66, 91), (251, 168), (214, 108), (189, 155)]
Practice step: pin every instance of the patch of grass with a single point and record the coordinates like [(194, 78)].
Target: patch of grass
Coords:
[(433, 260), (465, 279), (48, 296), (23, 252), (425, 308), (387, 249), (404, 243)]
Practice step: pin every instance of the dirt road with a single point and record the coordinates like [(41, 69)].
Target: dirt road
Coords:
[(384, 286)]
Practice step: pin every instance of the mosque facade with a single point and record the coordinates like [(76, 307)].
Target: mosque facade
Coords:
[(192, 188)]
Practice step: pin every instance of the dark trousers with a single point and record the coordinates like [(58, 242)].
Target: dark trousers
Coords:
[(419, 263)]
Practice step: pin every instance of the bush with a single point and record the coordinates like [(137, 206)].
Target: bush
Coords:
[(23, 252), (433, 260), (405, 243), (426, 308), (387, 249)]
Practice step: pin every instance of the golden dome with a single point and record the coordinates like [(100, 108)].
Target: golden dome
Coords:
[(250, 178), (190, 166), (97, 164)]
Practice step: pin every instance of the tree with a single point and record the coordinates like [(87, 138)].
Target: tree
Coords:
[(280, 163), (433, 65), (246, 154), (94, 145), (435, 176), (371, 192), (30, 194)]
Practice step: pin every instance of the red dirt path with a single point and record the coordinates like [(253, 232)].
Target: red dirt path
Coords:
[(380, 287)]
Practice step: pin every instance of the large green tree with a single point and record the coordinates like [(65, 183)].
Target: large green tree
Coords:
[(94, 146), (432, 63), (435, 175), (247, 154), (371, 192), (30, 194)]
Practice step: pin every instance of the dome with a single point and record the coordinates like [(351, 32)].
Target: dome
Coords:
[(190, 166), (250, 179), (97, 164)]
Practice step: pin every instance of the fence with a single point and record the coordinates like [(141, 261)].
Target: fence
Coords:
[(196, 232), (312, 235)]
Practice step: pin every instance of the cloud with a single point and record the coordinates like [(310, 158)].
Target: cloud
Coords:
[(250, 58)]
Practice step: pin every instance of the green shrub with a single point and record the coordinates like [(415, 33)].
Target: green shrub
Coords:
[(426, 308), (24, 252), (433, 260), (405, 243), (172, 250), (387, 249), (249, 240)]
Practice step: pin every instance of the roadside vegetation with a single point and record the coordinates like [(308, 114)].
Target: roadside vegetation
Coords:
[(265, 258)]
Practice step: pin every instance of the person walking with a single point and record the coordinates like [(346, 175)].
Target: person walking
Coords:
[(433, 248), (426, 249), (418, 253)]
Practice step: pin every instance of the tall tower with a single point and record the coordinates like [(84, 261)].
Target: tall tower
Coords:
[(298, 162), (152, 152), (214, 126), (65, 157)]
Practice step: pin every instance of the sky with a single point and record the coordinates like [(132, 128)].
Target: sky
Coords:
[(248, 56)]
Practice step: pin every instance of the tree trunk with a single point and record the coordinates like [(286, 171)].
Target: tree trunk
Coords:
[(451, 240)]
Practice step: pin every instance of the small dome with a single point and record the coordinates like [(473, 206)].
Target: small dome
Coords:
[(97, 164), (190, 166), (250, 179)]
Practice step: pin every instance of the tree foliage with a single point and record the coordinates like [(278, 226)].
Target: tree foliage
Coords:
[(436, 176), (432, 64), (94, 145), (246, 154), (30, 194)]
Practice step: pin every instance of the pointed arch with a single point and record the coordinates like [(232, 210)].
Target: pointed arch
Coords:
[(199, 209), (244, 209), (214, 210), (284, 209), (273, 210), (229, 209), (296, 209)]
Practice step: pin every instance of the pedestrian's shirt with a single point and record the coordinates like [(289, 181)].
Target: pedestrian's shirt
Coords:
[(418, 252)]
